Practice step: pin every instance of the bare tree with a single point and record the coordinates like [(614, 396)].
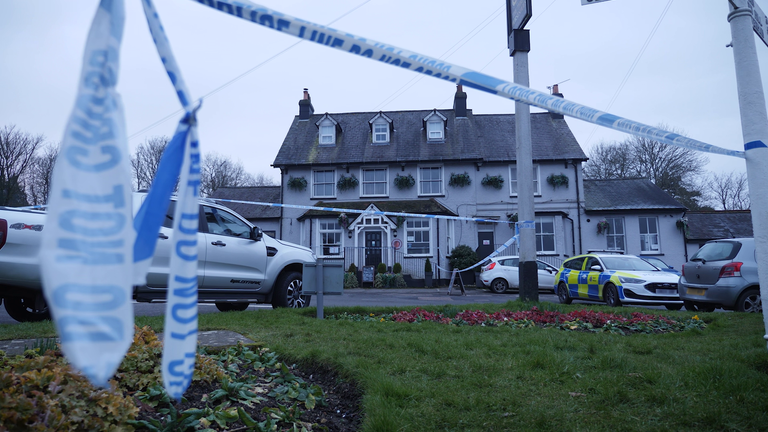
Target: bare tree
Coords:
[(147, 159), (218, 171), (676, 170), (17, 151), (38, 176), (728, 191), (262, 179)]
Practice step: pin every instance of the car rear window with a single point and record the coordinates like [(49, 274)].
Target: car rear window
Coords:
[(717, 251), (574, 264)]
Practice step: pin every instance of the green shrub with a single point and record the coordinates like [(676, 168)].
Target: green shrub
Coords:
[(427, 266), (350, 280), (389, 280), (352, 268), (382, 268), (397, 268), (462, 256)]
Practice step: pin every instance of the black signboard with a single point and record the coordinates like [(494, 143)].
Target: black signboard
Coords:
[(368, 273), (518, 14)]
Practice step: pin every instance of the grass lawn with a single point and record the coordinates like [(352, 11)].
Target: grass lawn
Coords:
[(434, 377)]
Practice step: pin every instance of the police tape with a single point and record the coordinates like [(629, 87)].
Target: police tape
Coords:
[(371, 212), (436, 68)]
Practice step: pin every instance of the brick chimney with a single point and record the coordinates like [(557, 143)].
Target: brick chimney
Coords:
[(460, 102), (305, 106), (556, 92)]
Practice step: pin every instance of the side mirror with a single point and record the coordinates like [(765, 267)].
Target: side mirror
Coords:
[(596, 268), (256, 233)]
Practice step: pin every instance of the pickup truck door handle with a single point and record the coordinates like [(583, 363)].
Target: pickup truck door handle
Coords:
[(218, 243), (163, 236)]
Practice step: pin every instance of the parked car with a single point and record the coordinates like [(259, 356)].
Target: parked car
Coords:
[(657, 262), (616, 280), (503, 273), (722, 274)]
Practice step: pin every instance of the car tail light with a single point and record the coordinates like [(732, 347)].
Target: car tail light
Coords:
[(731, 270), (682, 270), (3, 232), (489, 266)]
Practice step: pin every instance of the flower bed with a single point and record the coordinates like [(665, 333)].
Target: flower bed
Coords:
[(580, 320)]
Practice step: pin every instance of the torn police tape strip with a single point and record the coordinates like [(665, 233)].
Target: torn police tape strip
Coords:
[(180, 344), (419, 63)]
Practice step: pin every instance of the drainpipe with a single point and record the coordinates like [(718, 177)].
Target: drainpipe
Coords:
[(438, 247), (578, 203), (685, 242)]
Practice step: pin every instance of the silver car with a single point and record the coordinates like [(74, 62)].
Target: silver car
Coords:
[(722, 274), (502, 273)]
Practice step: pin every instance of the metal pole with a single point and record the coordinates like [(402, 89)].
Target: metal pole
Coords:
[(529, 276), (320, 288), (754, 128)]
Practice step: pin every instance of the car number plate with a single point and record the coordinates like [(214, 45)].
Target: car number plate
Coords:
[(691, 291), (666, 291)]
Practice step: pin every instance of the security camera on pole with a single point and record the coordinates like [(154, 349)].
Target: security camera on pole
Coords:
[(519, 43)]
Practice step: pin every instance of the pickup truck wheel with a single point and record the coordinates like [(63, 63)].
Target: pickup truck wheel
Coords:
[(288, 292), (23, 310), (230, 306)]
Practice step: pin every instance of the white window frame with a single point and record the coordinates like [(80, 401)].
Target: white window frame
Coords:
[(649, 241), (611, 234), (374, 182), (540, 234), (315, 184), (380, 136), (327, 133), (418, 227), (435, 129), (329, 232), (513, 180), (422, 180)]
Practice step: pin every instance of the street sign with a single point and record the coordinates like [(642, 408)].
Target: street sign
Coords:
[(759, 21), (518, 14), (586, 2)]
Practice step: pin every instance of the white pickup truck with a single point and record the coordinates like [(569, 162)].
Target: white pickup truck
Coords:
[(237, 263)]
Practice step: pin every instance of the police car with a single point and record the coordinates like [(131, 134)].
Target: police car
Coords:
[(616, 279)]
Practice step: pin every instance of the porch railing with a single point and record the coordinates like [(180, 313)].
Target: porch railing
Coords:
[(413, 266)]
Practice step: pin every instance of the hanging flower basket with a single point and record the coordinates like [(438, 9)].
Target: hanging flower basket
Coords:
[(347, 183), (404, 182), (400, 221), (459, 180), (297, 183), (602, 227), (495, 182), (343, 220), (556, 180), (512, 218), (682, 225)]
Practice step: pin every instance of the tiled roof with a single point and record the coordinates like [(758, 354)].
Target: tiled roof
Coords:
[(719, 224), (484, 137), (627, 194), (269, 194), (419, 206)]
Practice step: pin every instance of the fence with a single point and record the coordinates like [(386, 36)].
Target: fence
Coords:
[(413, 266)]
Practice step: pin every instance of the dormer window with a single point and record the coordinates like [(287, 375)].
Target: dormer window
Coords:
[(381, 126), (327, 128), (435, 125)]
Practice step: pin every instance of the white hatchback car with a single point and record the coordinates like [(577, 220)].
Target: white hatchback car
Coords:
[(503, 273)]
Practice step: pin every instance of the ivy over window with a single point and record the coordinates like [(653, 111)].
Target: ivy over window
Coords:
[(459, 180), (404, 182), (297, 183), (347, 183), (556, 180), (495, 182)]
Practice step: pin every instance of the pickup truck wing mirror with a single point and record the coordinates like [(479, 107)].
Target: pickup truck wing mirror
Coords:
[(256, 233)]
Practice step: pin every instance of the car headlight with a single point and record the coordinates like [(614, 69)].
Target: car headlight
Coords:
[(630, 280)]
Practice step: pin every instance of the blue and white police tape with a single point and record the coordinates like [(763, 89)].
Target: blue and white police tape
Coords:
[(86, 255), (493, 254), (368, 212), (436, 68), (180, 345)]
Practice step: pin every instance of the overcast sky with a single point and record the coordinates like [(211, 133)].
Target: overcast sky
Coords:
[(685, 77)]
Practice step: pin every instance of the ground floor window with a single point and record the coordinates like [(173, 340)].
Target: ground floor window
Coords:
[(649, 235), (545, 234), (615, 234), (330, 233), (417, 236)]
